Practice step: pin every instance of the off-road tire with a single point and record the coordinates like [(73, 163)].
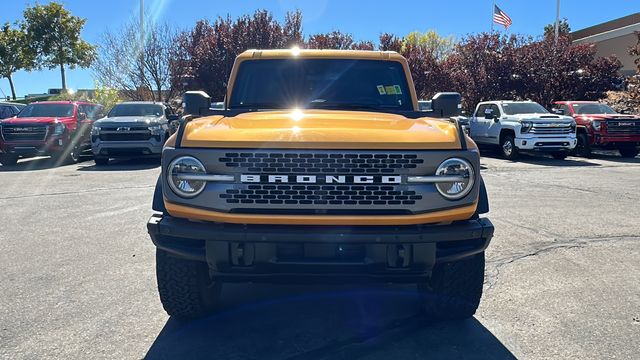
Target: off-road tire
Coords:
[(8, 159), (583, 148), (508, 147), (454, 290), (628, 151), (101, 160), (185, 287), (559, 155)]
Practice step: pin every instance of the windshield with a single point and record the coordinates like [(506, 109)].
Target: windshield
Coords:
[(47, 110), (523, 108), (321, 84), (136, 110), (593, 109)]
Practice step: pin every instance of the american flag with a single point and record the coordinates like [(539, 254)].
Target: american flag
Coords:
[(501, 17)]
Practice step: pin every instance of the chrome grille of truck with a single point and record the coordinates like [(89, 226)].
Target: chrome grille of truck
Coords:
[(125, 133), (33, 132), (623, 127), (321, 163), (552, 129)]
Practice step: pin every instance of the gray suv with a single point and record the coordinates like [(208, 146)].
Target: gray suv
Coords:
[(131, 129), (9, 110)]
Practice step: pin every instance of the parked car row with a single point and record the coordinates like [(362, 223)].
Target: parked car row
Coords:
[(573, 127), (65, 130)]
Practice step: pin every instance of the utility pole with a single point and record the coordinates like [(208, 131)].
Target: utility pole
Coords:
[(557, 27), (142, 45)]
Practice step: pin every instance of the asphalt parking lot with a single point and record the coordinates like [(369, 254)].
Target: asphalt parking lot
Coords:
[(78, 281)]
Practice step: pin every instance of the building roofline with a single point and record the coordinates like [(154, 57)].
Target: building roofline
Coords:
[(615, 24)]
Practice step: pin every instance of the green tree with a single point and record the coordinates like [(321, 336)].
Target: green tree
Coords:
[(563, 29), (12, 54), (439, 47), (106, 97), (54, 39)]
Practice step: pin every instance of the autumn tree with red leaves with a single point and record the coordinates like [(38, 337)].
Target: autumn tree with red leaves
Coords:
[(480, 67)]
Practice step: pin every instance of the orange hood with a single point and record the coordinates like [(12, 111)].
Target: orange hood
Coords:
[(320, 129)]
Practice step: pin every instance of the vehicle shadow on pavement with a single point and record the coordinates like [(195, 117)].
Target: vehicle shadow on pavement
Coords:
[(39, 163), (541, 159), (615, 158), (123, 165), (327, 322)]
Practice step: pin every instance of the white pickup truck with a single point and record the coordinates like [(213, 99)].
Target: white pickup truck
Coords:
[(517, 126)]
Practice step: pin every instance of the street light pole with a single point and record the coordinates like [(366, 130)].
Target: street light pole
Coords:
[(557, 27), (142, 45)]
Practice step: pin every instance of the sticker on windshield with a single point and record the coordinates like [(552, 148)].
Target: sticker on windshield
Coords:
[(390, 90), (397, 89), (381, 90)]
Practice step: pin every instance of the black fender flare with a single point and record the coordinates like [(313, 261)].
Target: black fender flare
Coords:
[(483, 199), (158, 199)]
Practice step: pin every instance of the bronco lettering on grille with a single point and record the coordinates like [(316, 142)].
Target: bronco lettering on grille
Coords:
[(329, 179)]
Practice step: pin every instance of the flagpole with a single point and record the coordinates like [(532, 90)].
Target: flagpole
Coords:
[(493, 9)]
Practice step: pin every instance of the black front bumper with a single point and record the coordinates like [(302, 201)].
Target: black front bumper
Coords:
[(237, 252)]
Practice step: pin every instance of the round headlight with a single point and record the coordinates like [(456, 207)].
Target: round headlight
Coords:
[(459, 188), (178, 176)]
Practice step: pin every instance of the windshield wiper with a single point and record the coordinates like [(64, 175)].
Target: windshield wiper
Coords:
[(258, 106), (348, 106)]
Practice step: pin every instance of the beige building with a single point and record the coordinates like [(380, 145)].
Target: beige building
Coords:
[(613, 38)]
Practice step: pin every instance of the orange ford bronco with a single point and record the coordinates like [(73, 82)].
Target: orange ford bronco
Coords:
[(320, 168)]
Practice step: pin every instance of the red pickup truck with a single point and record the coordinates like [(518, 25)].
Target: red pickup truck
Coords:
[(599, 126), (60, 129)]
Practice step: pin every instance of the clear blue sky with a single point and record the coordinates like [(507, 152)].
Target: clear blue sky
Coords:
[(365, 19)]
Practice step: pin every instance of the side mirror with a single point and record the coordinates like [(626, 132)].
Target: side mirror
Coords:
[(488, 114), (82, 116), (173, 117), (446, 104), (558, 111), (196, 102)]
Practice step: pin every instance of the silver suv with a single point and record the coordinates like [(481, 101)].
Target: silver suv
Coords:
[(131, 129)]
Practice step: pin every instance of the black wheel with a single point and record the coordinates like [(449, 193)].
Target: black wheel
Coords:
[(559, 155), (628, 151), (583, 148), (8, 159), (454, 290), (508, 147), (185, 287), (101, 160)]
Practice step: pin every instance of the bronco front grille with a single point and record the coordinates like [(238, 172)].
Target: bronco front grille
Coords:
[(348, 196), (321, 195), (321, 163), (321, 181), (24, 132)]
